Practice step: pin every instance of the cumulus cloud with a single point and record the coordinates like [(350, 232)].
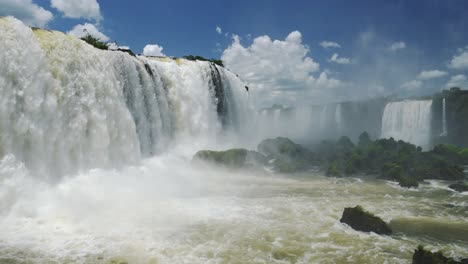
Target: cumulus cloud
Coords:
[(426, 75), (412, 85), (397, 46), (336, 59), (460, 61), (115, 46), (459, 80), (82, 30), (88, 9), (26, 11), (329, 44), (219, 30), (278, 71), (153, 50)]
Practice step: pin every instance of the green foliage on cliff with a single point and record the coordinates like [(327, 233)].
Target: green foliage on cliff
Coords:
[(200, 58), (287, 156), (95, 42), (392, 160)]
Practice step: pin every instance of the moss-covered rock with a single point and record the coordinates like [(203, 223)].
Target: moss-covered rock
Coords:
[(232, 158), (422, 256), (393, 171), (287, 156), (364, 221), (459, 187)]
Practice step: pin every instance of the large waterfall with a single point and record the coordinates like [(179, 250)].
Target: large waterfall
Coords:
[(409, 121), (67, 106)]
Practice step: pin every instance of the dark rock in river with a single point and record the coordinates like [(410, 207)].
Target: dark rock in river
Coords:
[(422, 256), (459, 187), (364, 221)]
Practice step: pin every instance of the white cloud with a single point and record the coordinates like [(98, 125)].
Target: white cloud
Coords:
[(26, 11), (153, 50), (115, 46), (82, 30), (412, 85), (334, 58), (278, 71), (219, 30), (329, 44), (88, 9), (397, 46), (426, 75), (459, 80), (460, 61)]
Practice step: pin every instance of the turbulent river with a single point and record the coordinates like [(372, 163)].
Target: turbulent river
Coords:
[(167, 211)]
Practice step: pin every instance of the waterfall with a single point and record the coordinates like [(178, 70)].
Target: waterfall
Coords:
[(444, 119), (338, 117), (66, 106), (409, 121)]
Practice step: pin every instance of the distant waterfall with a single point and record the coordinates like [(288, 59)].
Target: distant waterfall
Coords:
[(409, 121), (338, 117), (67, 106), (444, 119)]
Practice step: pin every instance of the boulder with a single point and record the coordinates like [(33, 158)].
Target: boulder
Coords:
[(459, 187), (422, 256), (364, 221)]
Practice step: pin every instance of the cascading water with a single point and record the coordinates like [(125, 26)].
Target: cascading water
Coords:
[(67, 106), (409, 121), (444, 119), (338, 117)]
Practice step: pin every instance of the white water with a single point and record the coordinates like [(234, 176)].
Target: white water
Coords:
[(338, 117), (408, 121), (303, 123), (66, 106), (444, 119)]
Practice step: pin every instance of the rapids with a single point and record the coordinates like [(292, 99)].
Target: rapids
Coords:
[(167, 211)]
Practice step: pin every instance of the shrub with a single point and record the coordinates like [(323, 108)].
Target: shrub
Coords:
[(95, 42)]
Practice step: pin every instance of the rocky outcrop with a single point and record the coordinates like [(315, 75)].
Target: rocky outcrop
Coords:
[(232, 158), (422, 256), (364, 221), (459, 187), (285, 155)]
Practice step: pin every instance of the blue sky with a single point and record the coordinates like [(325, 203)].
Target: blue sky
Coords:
[(429, 38)]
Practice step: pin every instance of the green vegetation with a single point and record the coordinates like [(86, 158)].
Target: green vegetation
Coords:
[(391, 160), (232, 158), (359, 219), (388, 159), (200, 58), (95, 42), (287, 156)]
